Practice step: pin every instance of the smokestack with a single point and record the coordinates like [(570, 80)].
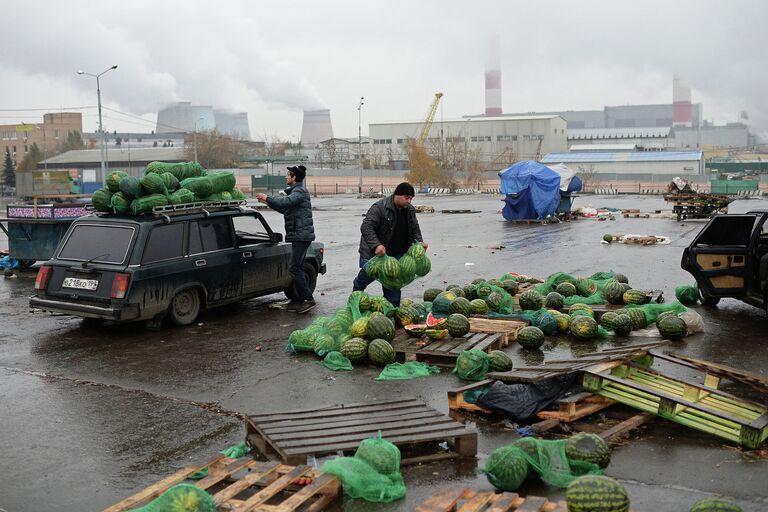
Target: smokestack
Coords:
[(493, 80), (316, 126), (682, 110)]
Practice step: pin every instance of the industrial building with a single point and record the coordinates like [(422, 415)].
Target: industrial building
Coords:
[(631, 164), (494, 140), (645, 139), (183, 116)]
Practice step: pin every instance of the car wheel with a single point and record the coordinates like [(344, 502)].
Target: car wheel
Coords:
[(184, 307), (709, 301), (311, 275)]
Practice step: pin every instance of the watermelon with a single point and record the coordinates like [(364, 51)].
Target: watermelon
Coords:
[(581, 307), (390, 269), (462, 306), (100, 200), (423, 266), (563, 322), (625, 286), (416, 330), (458, 325), (478, 281), (470, 291), (119, 203), (181, 196), (621, 278), (583, 327), (530, 337), (379, 326), (715, 505), (586, 287), (355, 349), (506, 468), (608, 238), (588, 448), (622, 324), (153, 183), (180, 498), (435, 323), (530, 446), (113, 180), (416, 251), (499, 361), (452, 286), (635, 297), (324, 343), (380, 454), (407, 268), (479, 307), (554, 300), (613, 292), (607, 319), (494, 282), (566, 289), (380, 352), (510, 286), (170, 181), (406, 314), (531, 300), (359, 328), (430, 294), (130, 186), (596, 493), (672, 327), (443, 301), (662, 315), (336, 326), (484, 290), (494, 301), (638, 318), (546, 322), (436, 334)]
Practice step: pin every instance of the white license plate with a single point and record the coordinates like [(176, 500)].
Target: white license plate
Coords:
[(81, 284)]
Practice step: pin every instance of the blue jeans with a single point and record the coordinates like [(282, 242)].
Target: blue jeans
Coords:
[(363, 280), (296, 269)]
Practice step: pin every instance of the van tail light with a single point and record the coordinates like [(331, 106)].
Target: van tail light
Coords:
[(43, 275), (120, 286)]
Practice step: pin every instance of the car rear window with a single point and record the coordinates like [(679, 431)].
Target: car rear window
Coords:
[(97, 243)]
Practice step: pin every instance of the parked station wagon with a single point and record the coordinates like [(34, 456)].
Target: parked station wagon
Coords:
[(170, 264), (729, 258)]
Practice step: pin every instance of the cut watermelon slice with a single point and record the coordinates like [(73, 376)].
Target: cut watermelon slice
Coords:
[(435, 322)]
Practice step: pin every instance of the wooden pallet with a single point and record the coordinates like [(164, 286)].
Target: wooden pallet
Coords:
[(468, 500), (247, 485), (442, 352), (637, 215), (507, 328), (716, 371), (640, 240), (654, 296), (533, 221), (295, 435), (696, 406), (421, 208), (460, 211)]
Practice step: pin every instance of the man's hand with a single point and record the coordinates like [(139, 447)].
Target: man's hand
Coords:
[(425, 245), (262, 198), (380, 250)]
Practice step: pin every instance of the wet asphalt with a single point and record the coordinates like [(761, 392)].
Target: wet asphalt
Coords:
[(93, 413)]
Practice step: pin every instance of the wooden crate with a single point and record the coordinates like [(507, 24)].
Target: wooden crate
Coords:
[(696, 406), (468, 500), (295, 435), (248, 485), (507, 328), (442, 352)]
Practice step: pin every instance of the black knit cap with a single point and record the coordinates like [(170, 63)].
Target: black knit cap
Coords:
[(298, 171), (405, 189)]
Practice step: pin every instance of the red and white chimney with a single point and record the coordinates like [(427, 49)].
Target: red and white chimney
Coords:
[(493, 80), (682, 110)]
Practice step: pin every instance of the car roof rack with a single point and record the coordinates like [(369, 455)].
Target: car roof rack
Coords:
[(199, 206)]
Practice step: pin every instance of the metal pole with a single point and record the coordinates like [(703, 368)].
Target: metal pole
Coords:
[(103, 136), (360, 144)]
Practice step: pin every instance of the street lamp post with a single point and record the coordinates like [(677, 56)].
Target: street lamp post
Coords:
[(360, 144), (194, 136), (101, 126)]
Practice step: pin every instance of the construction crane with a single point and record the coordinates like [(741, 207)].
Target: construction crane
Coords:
[(428, 121)]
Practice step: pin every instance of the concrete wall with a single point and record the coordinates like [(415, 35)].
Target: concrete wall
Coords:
[(734, 135)]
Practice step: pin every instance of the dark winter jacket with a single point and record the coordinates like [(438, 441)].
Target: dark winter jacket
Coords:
[(296, 207), (379, 225)]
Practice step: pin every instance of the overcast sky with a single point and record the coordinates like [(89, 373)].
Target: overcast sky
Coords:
[(274, 59)]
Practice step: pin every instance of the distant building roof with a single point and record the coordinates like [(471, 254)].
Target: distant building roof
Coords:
[(466, 119), (640, 156), (93, 156), (603, 147), (618, 133)]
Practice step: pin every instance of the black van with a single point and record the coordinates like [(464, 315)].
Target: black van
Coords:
[(171, 263), (729, 258)]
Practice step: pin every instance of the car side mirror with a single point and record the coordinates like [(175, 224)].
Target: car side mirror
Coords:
[(276, 238)]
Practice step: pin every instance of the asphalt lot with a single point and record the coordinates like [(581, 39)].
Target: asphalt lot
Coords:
[(92, 414)]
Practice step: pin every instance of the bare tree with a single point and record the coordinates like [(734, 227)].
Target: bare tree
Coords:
[(588, 176), (214, 149)]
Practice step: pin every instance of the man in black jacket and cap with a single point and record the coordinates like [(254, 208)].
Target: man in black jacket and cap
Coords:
[(390, 227), (296, 207)]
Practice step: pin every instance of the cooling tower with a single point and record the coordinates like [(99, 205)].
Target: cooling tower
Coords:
[(234, 124), (682, 110), (316, 126), (493, 80), (202, 118), (175, 118)]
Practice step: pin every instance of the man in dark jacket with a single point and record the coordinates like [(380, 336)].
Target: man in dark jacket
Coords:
[(390, 227), (296, 207)]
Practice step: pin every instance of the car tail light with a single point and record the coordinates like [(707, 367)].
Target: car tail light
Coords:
[(120, 285), (43, 275)]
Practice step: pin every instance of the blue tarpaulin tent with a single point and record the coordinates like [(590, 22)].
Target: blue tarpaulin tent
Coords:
[(532, 191)]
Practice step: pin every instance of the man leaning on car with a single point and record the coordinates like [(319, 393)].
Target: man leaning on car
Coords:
[(296, 208)]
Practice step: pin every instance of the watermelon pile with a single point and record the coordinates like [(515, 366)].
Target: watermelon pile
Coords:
[(393, 273), (164, 184), (590, 493)]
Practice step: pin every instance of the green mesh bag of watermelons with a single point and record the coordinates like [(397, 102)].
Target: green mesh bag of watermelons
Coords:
[(145, 204), (171, 182), (119, 203), (687, 294), (200, 186), (113, 180), (222, 181), (325, 334), (652, 311), (373, 474), (181, 196), (153, 183), (219, 196), (130, 186), (472, 365), (182, 170), (101, 199), (237, 195), (394, 273), (181, 497), (589, 289), (497, 298)]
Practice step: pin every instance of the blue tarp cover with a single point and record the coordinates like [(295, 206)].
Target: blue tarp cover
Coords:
[(532, 190)]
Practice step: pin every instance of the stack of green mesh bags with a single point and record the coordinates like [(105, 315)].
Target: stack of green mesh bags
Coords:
[(163, 184), (393, 273)]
